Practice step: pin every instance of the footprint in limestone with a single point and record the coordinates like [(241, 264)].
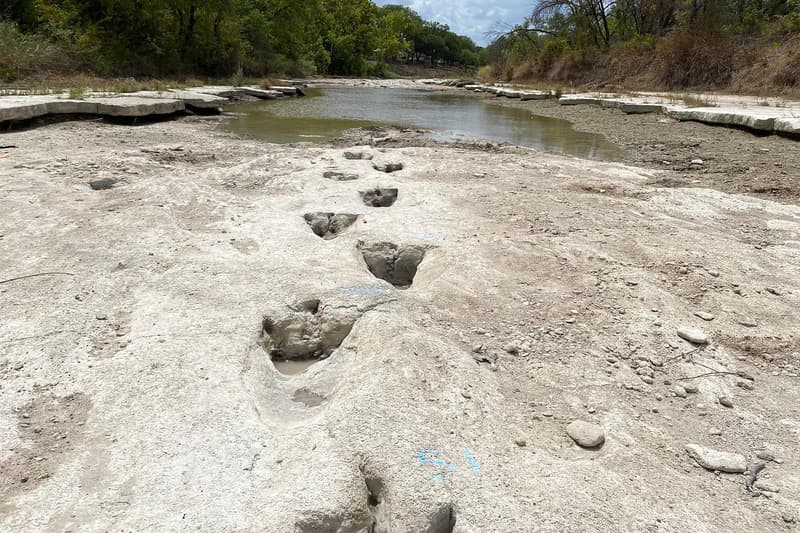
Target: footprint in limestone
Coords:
[(396, 264), (380, 197), (329, 225), (337, 175)]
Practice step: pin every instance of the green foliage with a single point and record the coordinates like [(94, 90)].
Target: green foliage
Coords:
[(223, 37), (689, 42), (23, 54)]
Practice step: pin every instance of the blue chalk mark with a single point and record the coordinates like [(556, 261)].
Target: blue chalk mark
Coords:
[(350, 291), (472, 461), (424, 237), (432, 458), (424, 458)]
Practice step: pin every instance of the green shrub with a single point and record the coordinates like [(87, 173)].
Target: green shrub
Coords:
[(24, 54)]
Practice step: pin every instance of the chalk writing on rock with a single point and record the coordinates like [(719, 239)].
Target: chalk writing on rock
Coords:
[(441, 467)]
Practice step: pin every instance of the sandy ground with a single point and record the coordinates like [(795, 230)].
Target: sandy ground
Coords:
[(137, 390), (735, 161)]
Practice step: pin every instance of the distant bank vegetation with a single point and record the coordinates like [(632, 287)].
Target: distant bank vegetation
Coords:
[(739, 45), (218, 38)]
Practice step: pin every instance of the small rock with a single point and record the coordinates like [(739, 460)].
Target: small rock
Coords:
[(693, 335), (766, 485), (746, 385), (521, 443), (726, 401), (789, 519), (709, 459), (648, 380), (708, 317), (585, 434), (511, 348), (683, 271), (766, 455), (691, 388), (101, 317), (715, 432), (748, 323), (466, 395), (679, 391), (697, 162)]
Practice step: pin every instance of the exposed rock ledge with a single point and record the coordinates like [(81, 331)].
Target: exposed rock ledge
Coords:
[(207, 99)]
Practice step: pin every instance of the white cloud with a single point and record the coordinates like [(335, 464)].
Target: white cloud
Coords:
[(474, 18)]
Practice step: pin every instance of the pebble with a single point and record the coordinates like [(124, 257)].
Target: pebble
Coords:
[(726, 401), (648, 380), (698, 162), (101, 317), (521, 443), (708, 317), (691, 388), (748, 324), (466, 395), (766, 455), (693, 335), (746, 385), (513, 349), (709, 459), (789, 519), (715, 432), (763, 484), (585, 434), (679, 391)]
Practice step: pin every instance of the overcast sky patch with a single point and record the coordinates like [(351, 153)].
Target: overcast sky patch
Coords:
[(474, 18)]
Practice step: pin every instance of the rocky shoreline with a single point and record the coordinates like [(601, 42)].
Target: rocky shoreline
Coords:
[(136, 105)]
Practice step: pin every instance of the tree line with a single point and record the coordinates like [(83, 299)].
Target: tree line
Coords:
[(223, 37), (695, 42)]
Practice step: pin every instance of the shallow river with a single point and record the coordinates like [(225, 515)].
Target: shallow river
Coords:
[(326, 113)]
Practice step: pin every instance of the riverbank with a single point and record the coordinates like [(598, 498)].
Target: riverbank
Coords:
[(151, 274)]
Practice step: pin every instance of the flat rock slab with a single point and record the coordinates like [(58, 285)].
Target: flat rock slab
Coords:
[(190, 98), (23, 107), (709, 459), (748, 118), (135, 106), (28, 107)]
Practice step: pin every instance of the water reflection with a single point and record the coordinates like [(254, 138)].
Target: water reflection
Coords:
[(327, 112)]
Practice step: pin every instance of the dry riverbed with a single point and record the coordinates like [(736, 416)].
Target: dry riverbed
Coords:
[(149, 276), (733, 160)]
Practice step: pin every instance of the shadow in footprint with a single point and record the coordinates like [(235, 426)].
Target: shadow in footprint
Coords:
[(390, 262), (104, 184), (380, 197), (336, 175), (305, 334), (388, 167), (329, 225)]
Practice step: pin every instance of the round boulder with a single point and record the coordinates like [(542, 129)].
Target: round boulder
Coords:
[(585, 434)]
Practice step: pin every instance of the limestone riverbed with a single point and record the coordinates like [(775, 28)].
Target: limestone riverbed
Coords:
[(485, 339)]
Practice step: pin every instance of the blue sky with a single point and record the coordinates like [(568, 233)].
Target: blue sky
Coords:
[(469, 17)]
